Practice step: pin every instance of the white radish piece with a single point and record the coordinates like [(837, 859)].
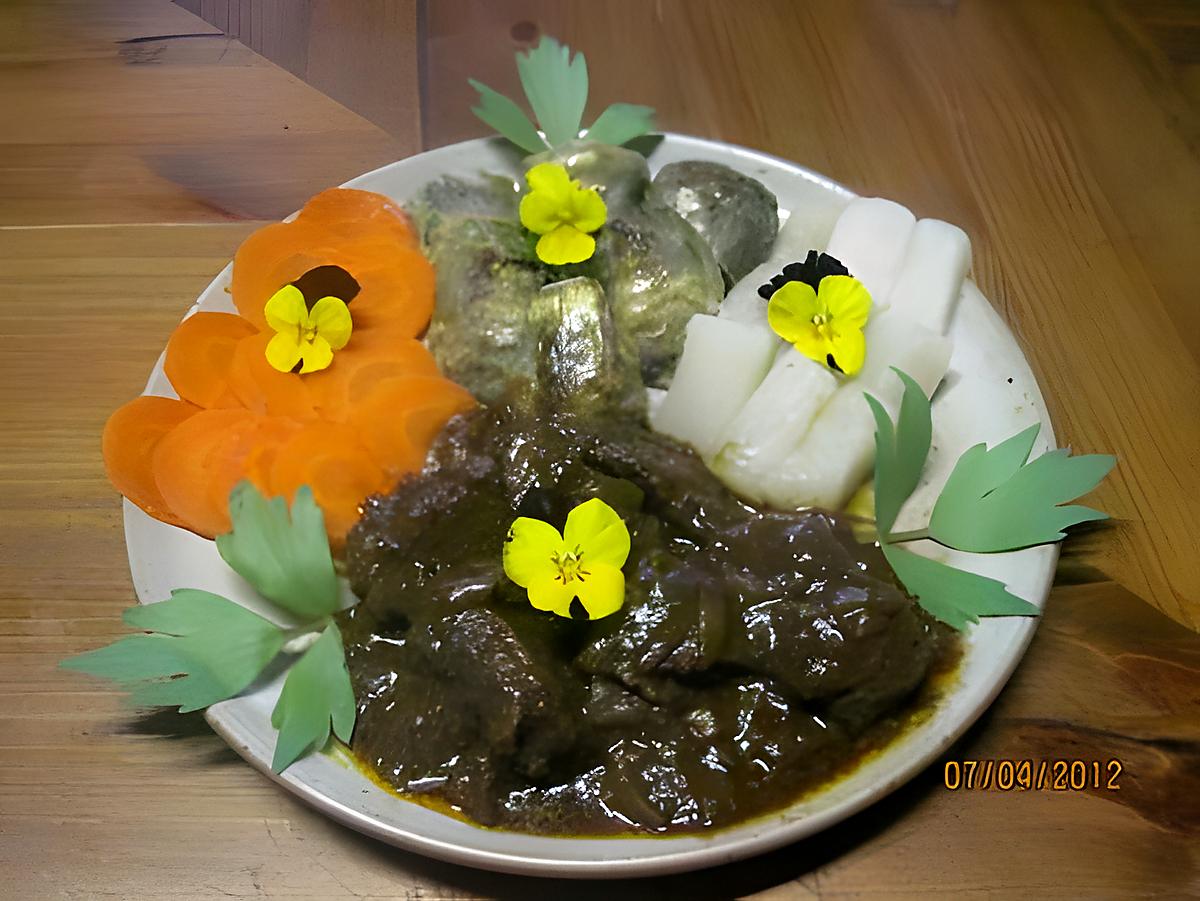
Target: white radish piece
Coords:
[(807, 228), (773, 421), (654, 399), (723, 362), (743, 303), (836, 455), (869, 239), (930, 280)]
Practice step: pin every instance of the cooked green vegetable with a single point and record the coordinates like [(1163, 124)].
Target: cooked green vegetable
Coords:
[(735, 214), (583, 363), (659, 273), (487, 276), (655, 269)]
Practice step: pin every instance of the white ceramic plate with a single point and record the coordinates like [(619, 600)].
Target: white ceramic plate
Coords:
[(989, 394)]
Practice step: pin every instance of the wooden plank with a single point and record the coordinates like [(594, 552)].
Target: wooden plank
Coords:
[(362, 54), (120, 121)]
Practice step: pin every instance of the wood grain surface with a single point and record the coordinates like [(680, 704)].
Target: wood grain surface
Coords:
[(142, 145)]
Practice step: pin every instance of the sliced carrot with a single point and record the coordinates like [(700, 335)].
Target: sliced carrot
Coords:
[(199, 354), (355, 213), (130, 437), (261, 387), (331, 460), (396, 291), (242, 452), (186, 460), (272, 257), (399, 417), (330, 389), (396, 282)]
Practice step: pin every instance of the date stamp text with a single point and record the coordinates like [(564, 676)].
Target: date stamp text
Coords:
[(1005, 774)]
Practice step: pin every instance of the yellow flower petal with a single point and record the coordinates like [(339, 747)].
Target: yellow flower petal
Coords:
[(331, 317), (588, 211), (849, 349), (595, 531), (602, 591), (286, 309), (846, 299), (566, 244), (283, 351), (529, 551), (549, 593), (555, 202), (551, 179), (541, 213), (809, 341), (790, 312), (316, 354)]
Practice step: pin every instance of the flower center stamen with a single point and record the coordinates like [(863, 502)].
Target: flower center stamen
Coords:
[(569, 566)]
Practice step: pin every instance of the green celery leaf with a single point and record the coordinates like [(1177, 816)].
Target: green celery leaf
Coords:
[(954, 596), (287, 560), (995, 501), (503, 114), (622, 122), (317, 691), (557, 87), (900, 451), (205, 649)]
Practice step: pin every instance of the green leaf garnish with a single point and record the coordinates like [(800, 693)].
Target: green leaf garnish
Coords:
[(620, 123), (995, 501), (286, 559), (954, 596), (502, 114), (900, 451), (316, 693), (203, 649), (556, 85)]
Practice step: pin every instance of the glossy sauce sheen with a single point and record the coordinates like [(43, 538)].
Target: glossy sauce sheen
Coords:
[(757, 653)]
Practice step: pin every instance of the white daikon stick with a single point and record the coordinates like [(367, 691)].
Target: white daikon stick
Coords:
[(723, 362), (743, 303), (869, 239), (837, 454), (930, 280), (807, 228), (773, 421)]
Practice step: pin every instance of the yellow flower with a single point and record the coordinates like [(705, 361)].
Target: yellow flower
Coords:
[(584, 562), (302, 334), (825, 325), (563, 212)]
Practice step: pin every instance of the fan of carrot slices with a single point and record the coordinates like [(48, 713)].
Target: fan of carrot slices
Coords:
[(348, 431)]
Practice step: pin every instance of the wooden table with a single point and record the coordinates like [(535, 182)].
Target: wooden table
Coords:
[(141, 146)]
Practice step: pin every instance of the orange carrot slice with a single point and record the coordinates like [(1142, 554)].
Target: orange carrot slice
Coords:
[(396, 282), (199, 354), (186, 461), (245, 453), (354, 213), (261, 387), (331, 460), (130, 437), (272, 257), (331, 389), (399, 417)]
